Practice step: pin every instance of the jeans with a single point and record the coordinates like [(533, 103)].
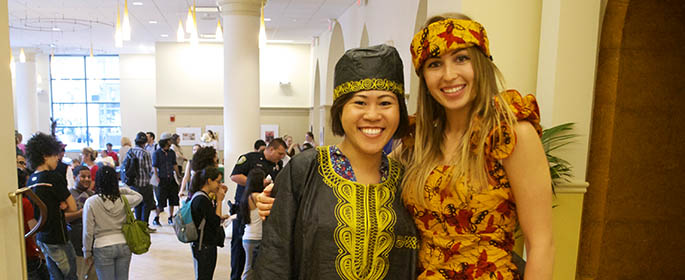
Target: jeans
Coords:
[(61, 260), (204, 260), (37, 269), (251, 251), (142, 211), (112, 262), (237, 251)]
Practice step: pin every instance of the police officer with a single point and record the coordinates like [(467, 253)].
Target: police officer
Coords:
[(270, 161)]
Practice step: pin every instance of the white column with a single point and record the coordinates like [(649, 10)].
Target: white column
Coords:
[(241, 78), (26, 97), (10, 257)]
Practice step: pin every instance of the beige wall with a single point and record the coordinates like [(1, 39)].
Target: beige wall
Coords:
[(137, 86), (10, 257)]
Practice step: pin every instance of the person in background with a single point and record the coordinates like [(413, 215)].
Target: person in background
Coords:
[(105, 159), (35, 266), (141, 182), (290, 150), (164, 165), (259, 145), (62, 168), (180, 158), (249, 216), (104, 214), (270, 162), (125, 146), (151, 146), (112, 154), (80, 191), (75, 163), (205, 182), (88, 155), (185, 183), (21, 149), (42, 151), (306, 146), (21, 162), (308, 139)]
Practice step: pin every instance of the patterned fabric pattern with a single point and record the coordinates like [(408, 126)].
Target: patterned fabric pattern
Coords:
[(447, 35), (368, 84), (467, 235), (343, 167), (365, 231)]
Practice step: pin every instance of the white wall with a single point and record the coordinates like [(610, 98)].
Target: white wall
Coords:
[(285, 62), (137, 94)]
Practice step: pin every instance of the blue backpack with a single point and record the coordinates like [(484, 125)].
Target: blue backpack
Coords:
[(184, 226)]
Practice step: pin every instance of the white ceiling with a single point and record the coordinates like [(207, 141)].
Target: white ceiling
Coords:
[(69, 26)]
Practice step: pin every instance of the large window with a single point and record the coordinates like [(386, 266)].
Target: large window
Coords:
[(85, 100)]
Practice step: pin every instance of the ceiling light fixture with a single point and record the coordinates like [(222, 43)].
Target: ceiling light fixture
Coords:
[(219, 31), (118, 40), (164, 35), (262, 29), (56, 29), (189, 20), (137, 3), (267, 19), (152, 22), (194, 34), (91, 49), (180, 34), (126, 27), (22, 56)]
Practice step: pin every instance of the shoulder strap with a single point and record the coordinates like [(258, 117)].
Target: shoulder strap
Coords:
[(129, 215), (202, 223)]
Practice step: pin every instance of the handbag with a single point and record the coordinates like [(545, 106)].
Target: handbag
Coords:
[(135, 231)]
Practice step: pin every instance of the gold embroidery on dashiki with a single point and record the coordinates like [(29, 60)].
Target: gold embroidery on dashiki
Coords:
[(366, 220), (410, 242)]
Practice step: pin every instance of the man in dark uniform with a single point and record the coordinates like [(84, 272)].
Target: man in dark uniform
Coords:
[(270, 161)]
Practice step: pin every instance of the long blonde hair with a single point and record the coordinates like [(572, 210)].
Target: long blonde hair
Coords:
[(485, 115)]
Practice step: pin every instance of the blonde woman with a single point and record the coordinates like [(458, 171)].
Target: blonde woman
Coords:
[(125, 146), (475, 164), (88, 156)]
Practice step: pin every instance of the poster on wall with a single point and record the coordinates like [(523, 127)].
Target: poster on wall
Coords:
[(189, 135), (269, 132), (219, 132)]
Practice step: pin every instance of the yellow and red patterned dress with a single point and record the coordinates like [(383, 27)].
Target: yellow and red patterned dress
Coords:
[(468, 235)]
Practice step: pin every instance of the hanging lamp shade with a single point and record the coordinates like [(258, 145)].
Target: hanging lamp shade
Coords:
[(219, 31), (126, 25), (118, 36), (180, 34), (22, 56), (189, 20)]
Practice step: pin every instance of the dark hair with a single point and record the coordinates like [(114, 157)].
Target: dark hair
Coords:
[(255, 184), (106, 183), (306, 146), (151, 134), (337, 109), (259, 143), (163, 143), (203, 158), (311, 134), (277, 143), (40, 146), (22, 177), (200, 178), (141, 139), (108, 144), (80, 168), (174, 138)]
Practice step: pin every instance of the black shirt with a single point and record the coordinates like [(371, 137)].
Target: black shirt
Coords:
[(203, 208), (251, 160), (55, 229)]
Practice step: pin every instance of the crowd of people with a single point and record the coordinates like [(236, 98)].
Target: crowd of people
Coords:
[(462, 175)]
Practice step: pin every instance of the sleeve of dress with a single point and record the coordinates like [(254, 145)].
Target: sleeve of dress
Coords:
[(276, 254), (501, 141)]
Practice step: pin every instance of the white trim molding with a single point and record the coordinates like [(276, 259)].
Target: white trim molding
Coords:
[(572, 187)]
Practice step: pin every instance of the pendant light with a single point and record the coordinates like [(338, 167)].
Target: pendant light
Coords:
[(189, 20), (22, 56), (262, 30), (180, 35), (126, 26), (118, 36), (219, 31), (194, 36)]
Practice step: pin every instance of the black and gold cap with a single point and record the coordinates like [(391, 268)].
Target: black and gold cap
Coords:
[(372, 68)]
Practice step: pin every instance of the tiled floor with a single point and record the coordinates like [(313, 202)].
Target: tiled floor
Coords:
[(169, 259)]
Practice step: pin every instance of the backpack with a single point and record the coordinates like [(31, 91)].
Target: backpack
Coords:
[(135, 231), (184, 226), (130, 166)]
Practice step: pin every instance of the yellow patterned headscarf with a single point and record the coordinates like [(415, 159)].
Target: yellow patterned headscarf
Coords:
[(446, 35)]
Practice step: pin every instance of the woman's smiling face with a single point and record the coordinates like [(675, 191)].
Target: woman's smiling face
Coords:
[(449, 79), (370, 119)]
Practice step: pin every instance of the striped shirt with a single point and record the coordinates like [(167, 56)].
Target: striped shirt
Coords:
[(144, 166)]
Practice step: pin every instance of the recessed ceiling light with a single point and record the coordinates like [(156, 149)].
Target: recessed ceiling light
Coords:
[(267, 19), (152, 22), (56, 29), (164, 35), (137, 3)]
